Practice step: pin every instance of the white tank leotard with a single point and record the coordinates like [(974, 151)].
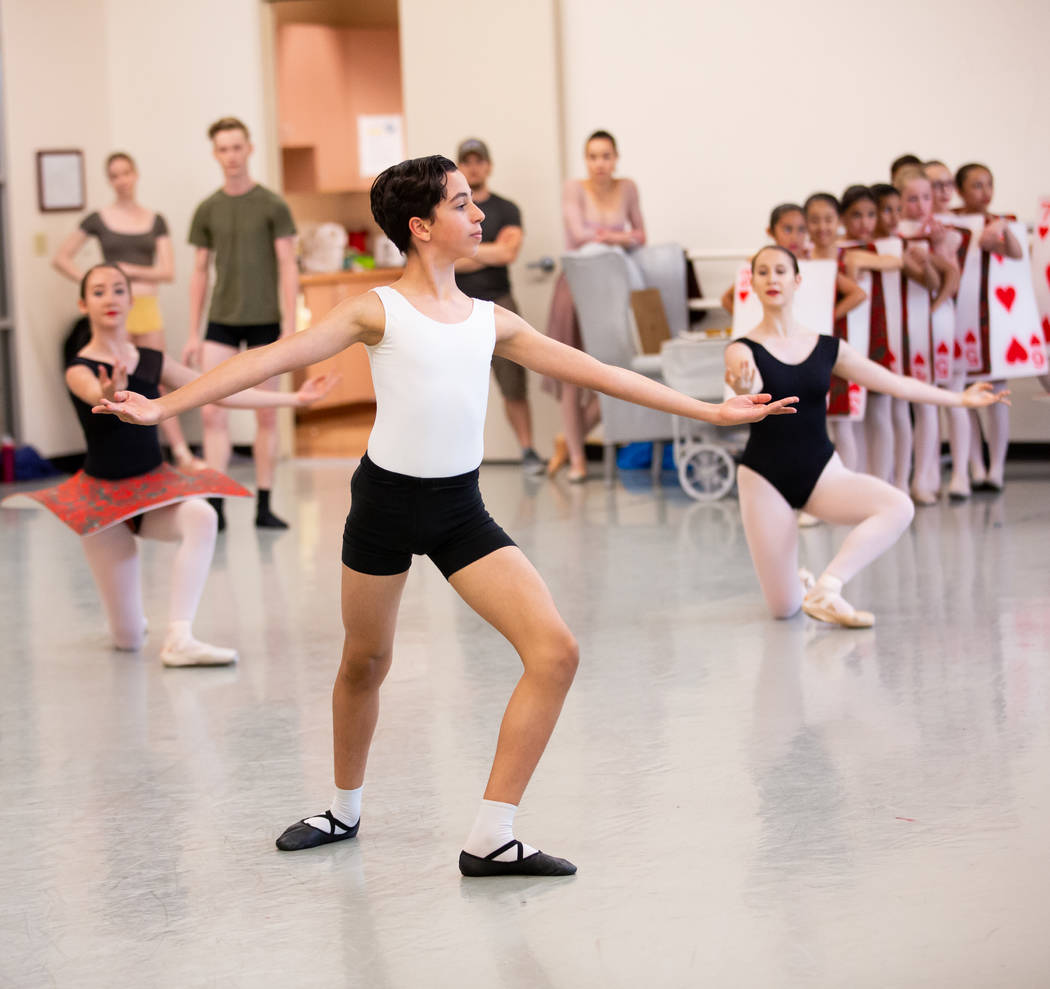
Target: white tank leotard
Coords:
[(431, 381)]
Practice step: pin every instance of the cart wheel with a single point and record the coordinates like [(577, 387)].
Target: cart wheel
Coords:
[(706, 472)]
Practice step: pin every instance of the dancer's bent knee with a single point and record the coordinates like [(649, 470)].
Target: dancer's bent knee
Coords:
[(556, 661), (362, 672)]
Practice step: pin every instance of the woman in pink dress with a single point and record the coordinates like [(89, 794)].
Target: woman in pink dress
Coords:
[(600, 209)]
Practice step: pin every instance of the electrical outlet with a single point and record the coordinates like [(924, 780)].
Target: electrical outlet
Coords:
[(40, 245)]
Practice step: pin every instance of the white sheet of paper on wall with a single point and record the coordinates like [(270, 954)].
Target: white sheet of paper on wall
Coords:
[(380, 142)]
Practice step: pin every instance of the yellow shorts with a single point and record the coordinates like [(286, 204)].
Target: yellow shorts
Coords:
[(144, 315)]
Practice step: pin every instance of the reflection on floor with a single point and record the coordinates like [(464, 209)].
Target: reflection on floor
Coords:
[(750, 803)]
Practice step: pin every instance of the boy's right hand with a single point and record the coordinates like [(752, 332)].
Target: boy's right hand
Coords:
[(130, 406)]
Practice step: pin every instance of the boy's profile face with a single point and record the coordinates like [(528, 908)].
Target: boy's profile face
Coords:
[(455, 226)]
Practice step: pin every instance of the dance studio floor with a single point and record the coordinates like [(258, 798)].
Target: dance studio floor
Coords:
[(750, 802)]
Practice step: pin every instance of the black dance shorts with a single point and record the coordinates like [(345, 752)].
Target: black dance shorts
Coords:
[(393, 516), (255, 335)]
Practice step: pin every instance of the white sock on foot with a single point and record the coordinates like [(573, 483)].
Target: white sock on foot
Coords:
[(493, 828), (346, 807)]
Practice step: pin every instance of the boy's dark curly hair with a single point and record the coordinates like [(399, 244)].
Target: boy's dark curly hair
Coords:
[(411, 188)]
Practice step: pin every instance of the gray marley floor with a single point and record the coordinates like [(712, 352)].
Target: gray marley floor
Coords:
[(750, 803)]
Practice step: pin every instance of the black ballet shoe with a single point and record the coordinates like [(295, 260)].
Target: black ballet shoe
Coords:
[(536, 864), (267, 520), (988, 487), (958, 496), (302, 835)]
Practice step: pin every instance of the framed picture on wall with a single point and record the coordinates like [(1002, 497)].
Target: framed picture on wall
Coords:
[(60, 180)]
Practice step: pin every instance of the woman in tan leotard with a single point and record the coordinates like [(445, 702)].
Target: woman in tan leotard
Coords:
[(600, 209)]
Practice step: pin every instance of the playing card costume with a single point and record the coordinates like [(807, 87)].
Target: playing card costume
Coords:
[(998, 328)]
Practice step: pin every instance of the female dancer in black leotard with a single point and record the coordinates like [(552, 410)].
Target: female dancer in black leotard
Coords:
[(787, 469), (126, 490)]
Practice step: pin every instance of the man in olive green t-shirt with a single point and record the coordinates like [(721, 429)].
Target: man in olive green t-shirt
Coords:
[(250, 233)]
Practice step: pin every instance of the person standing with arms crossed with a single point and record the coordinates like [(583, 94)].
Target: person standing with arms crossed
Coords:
[(485, 276), (250, 233)]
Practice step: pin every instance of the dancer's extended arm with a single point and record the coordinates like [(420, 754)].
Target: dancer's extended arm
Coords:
[(853, 367), (176, 375), (519, 342), (361, 319)]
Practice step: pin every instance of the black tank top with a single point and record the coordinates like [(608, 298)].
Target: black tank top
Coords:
[(117, 449), (791, 451)]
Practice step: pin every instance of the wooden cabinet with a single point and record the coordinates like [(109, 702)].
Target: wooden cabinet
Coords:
[(327, 77), (321, 293)]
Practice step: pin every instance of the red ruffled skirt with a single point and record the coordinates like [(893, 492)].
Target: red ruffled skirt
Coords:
[(90, 504)]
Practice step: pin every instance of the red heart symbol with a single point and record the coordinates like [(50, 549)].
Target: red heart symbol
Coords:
[(1046, 328), (970, 338), (957, 354), (942, 348), (1015, 353), (744, 293), (1048, 274), (1043, 231), (1038, 354), (1006, 296), (998, 257), (920, 360)]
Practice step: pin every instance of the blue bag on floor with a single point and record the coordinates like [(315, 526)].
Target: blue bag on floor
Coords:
[(29, 465), (639, 456)]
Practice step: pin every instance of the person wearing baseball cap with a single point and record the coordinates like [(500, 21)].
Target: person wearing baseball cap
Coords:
[(485, 276)]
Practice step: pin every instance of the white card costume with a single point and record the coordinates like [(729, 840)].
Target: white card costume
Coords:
[(1000, 328)]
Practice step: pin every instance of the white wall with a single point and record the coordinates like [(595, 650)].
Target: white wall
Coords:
[(724, 110), (54, 65), (145, 76)]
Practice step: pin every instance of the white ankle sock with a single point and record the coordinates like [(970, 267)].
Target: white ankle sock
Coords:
[(493, 828), (346, 807)]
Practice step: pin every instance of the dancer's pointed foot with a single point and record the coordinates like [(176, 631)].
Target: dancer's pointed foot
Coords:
[(192, 652), (560, 456), (825, 603), (923, 498)]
